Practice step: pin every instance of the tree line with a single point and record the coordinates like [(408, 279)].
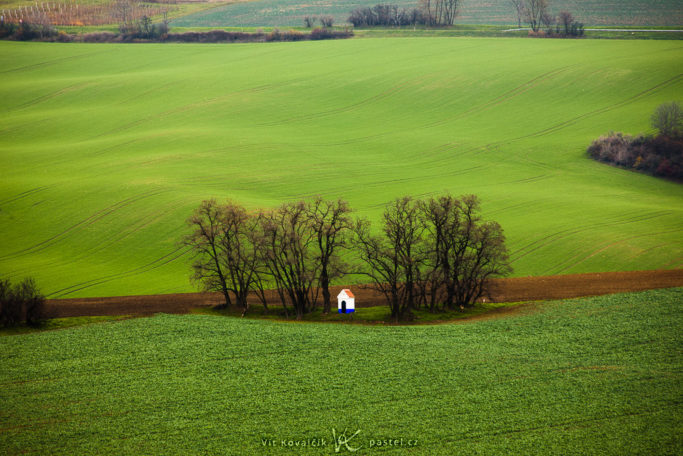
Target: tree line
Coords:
[(429, 12), (437, 253), (536, 13)]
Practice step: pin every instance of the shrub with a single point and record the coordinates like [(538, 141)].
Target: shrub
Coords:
[(33, 302), (22, 301), (327, 34), (27, 31), (10, 306), (660, 155), (100, 37)]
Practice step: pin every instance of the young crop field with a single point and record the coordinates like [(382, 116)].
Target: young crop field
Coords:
[(106, 149), (586, 376), (292, 12)]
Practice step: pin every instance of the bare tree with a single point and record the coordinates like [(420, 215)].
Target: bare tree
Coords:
[(475, 253), (449, 11), (225, 247), (394, 259), (439, 12), (330, 223), (238, 248), (383, 267), (440, 217), (565, 19), (287, 251), (518, 5), (404, 228), (668, 119), (309, 21), (327, 21), (123, 12), (534, 12), (204, 242)]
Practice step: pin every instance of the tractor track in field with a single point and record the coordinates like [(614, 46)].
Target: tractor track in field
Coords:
[(82, 224), (25, 194), (159, 262), (581, 257), (517, 289), (49, 62), (549, 239), (349, 108), (145, 220), (566, 123), (49, 96), (510, 94)]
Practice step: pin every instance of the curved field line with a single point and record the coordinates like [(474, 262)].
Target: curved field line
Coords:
[(49, 62), (349, 108), (25, 194), (83, 223), (569, 122), (626, 101), (185, 108), (159, 262), (49, 96), (523, 88), (147, 220), (551, 238), (555, 271)]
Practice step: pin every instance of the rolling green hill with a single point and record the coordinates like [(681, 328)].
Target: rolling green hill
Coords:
[(292, 12), (106, 149), (589, 376)]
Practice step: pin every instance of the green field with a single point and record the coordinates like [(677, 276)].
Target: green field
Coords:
[(587, 376), (292, 12), (106, 149)]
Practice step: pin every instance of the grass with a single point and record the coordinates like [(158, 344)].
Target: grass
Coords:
[(363, 315), (292, 12), (106, 149), (58, 323), (586, 376)]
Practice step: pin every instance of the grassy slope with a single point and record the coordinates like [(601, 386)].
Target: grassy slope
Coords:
[(292, 12), (106, 149), (588, 376)]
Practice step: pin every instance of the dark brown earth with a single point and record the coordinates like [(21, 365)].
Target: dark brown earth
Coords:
[(503, 290)]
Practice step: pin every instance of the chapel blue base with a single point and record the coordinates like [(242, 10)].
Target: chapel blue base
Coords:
[(348, 311)]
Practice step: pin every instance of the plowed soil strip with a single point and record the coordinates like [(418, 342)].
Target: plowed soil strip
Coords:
[(504, 290)]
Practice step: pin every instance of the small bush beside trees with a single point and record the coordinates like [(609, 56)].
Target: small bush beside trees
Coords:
[(659, 155), (20, 302)]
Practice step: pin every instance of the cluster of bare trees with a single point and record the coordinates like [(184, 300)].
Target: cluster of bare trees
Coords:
[(293, 249), (536, 13), (430, 12), (439, 12), (387, 15), (326, 21), (436, 253)]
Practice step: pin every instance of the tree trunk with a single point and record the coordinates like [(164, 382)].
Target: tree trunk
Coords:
[(325, 285)]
